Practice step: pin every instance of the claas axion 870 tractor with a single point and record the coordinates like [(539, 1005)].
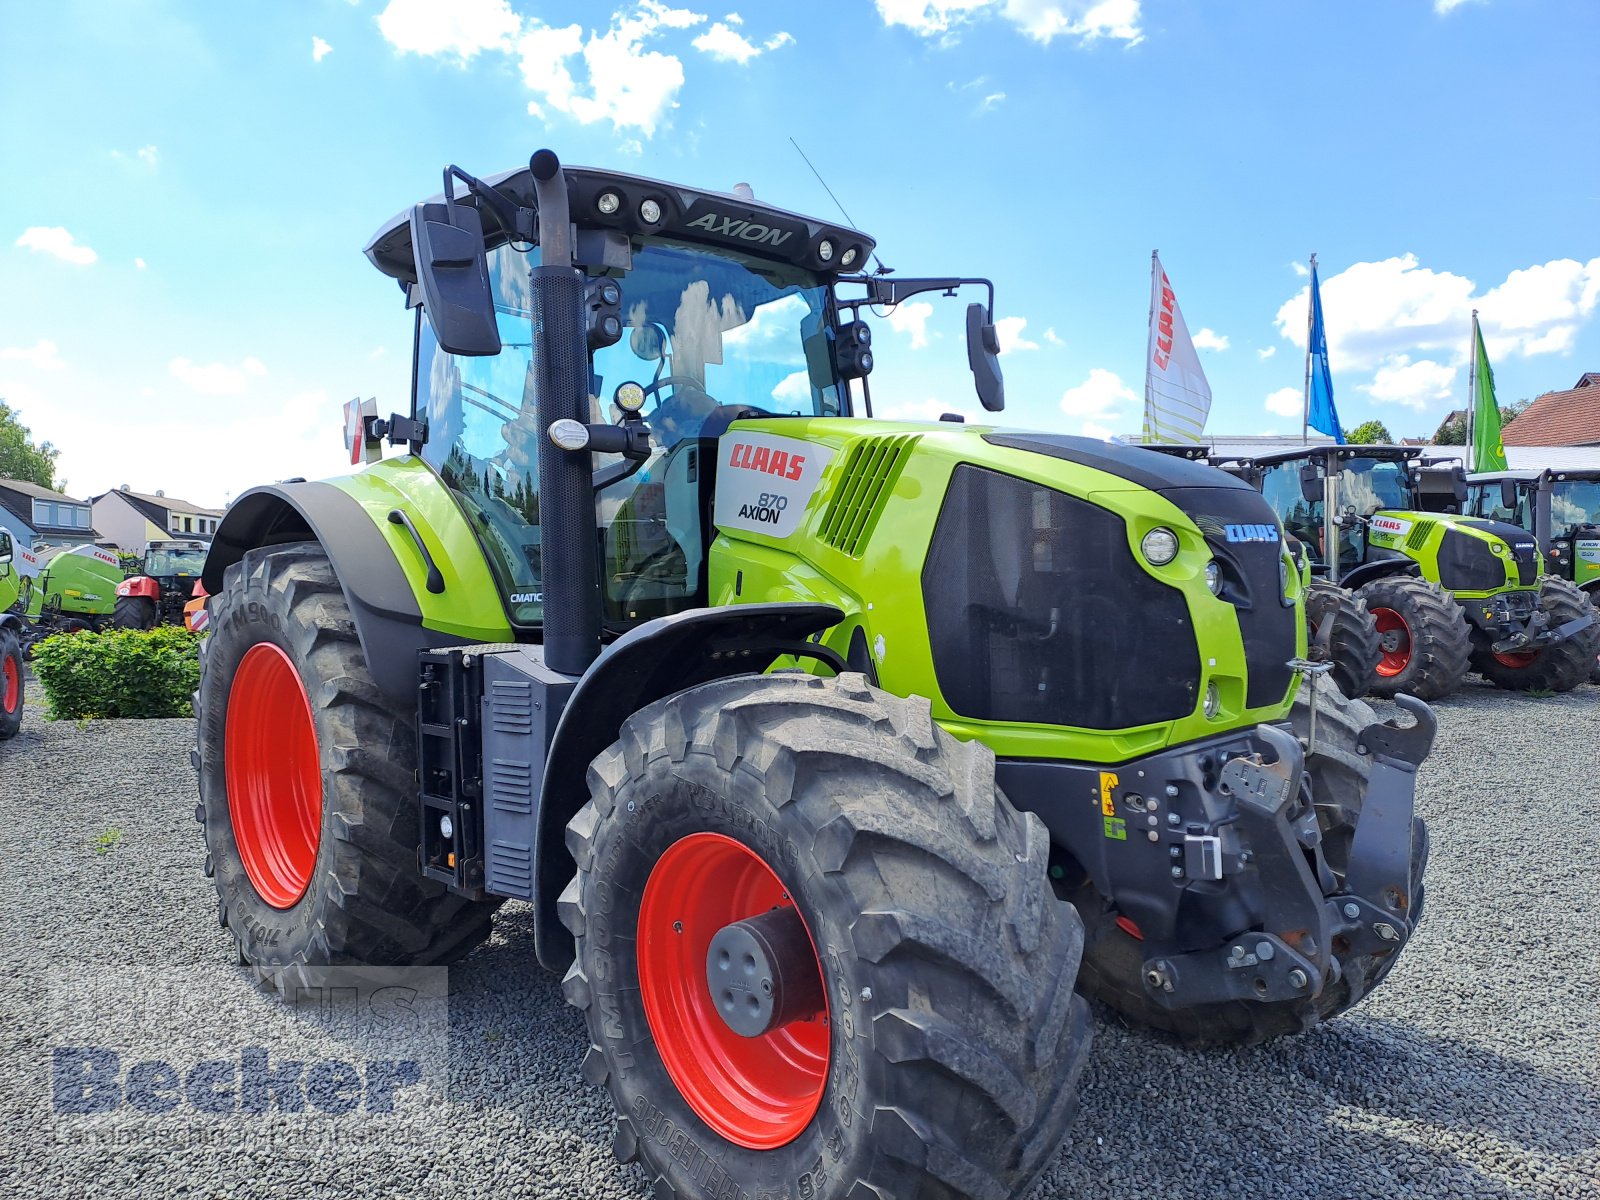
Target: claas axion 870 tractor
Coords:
[(825, 747)]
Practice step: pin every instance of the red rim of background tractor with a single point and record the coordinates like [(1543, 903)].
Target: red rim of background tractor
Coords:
[(274, 775), (758, 1092), (1517, 659), (1393, 661), (11, 692)]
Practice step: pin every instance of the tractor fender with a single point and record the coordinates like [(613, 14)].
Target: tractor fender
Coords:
[(660, 657), (387, 617), (1380, 568), (12, 622), (140, 585)]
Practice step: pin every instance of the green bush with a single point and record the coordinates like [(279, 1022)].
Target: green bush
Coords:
[(121, 673)]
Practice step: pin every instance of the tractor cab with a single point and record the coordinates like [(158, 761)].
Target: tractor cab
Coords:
[(168, 574), (1441, 485), (1561, 508)]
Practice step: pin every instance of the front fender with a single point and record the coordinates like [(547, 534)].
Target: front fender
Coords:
[(140, 585), (660, 657), (1380, 568)]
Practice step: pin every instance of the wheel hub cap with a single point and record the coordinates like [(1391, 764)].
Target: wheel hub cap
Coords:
[(1394, 639)]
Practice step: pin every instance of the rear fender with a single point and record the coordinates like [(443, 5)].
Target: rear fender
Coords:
[(667, 655), (387, 616)]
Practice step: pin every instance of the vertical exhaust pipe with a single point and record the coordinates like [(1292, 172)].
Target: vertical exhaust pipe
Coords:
[(568, 528)]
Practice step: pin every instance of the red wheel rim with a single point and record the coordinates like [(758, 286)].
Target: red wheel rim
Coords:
[(758, 1092), (1394, 636), (11, 680), (1517, 659), (274, 775)]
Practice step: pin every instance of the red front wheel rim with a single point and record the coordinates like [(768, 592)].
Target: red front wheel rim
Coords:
[(11, 679), (759, 1092), (274, 775), (1517, 659), (1394, 636)]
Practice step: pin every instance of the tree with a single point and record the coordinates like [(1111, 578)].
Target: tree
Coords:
[(19, 457), (1452, 430), (1369, 433)]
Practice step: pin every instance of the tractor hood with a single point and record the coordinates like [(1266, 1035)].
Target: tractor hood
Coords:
[(1475, 555)]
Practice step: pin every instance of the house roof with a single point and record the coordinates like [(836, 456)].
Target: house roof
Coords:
[(39, 493), (17, 497), (157, 507), (1569, 418)]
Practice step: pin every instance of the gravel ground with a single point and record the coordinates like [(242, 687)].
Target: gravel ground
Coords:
[(1472, 1072)]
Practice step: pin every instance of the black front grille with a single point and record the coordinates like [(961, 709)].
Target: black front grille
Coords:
[(1038, 612), (1469, 564)]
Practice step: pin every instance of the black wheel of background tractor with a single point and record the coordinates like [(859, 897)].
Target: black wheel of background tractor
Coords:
[(1423, 636), (820, 861), (1354, 647), (306, 783), (1558, 668), (1113, 959), (11, 683), (134, 612), (1594, 600)]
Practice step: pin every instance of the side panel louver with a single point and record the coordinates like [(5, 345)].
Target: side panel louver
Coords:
[(864, 486)]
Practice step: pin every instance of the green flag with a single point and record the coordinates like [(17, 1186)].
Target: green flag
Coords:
[(1488, 453)]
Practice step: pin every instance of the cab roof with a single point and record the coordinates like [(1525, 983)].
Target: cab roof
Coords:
[(1397, 453), (688, 214)]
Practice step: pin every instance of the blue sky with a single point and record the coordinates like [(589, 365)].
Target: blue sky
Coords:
[(190, 185)]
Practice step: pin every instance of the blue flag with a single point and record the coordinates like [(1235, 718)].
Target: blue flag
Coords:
[(1320, 413)]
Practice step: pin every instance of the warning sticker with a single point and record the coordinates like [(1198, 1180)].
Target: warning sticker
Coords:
[(1116, 828), (764, 482), (1108, 801)]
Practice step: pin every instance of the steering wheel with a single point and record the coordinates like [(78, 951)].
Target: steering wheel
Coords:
[(671, 415)]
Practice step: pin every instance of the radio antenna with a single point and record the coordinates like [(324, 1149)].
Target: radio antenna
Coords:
[(882, 270)]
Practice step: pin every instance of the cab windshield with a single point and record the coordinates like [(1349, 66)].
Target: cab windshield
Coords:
[(174, 562), (703, 327), (1573, 503), (1371, 484)]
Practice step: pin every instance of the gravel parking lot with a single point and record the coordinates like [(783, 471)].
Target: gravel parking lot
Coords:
[(1472, 1072)]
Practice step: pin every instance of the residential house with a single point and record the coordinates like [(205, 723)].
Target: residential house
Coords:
[(132, 519), (1569, 418), (33, 514)]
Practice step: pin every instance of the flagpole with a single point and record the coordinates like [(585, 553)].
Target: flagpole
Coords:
[(1305, 408), (1472, 397)]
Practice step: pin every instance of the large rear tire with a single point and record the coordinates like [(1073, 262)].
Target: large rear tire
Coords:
[(1558, 668), (951, 1041), (1354, 648), (1423, 636), (12, 681), (1113, 959), (306, 783), (134, 612)]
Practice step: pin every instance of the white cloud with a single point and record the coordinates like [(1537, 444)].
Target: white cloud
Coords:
[(58, 243), (41, 356), (149, 156), (1287, 402), (769, 335), (794, 389), (1376, 310), (1041, 20), (1095, 430), (140, 263), (911, 319), (1417, 385), (463, 27), (723, 43), (1443, 7), (1009, 330), (992, 101), (319, 49), (1052, 337), (217, 379), (1097, 398), (1208, 339), (1263, 355), (637, 87), (1300, 269), (929, 409)]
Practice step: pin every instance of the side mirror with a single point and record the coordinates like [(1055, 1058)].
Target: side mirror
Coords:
[(983, 356), (5, 548), (453, 272), (1310, 482), (1508, 493), (1458, 486)]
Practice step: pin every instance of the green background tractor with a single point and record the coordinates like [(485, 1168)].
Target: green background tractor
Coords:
[(828, 750), (12, 632), (1561, 507), (1445, 592)]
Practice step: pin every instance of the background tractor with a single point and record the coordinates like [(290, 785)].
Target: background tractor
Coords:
[(162, 586), (827, 749), (1445, 592), (1559, 507), (12, 631)]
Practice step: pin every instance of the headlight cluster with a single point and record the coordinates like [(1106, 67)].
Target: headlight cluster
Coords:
[(1159, 546)]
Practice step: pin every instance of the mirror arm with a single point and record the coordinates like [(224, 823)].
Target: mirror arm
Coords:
[(516, 221)]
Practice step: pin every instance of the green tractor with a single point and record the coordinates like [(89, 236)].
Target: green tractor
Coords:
[(835, 755), (13, 633), (1560, 507), (1445, 592)]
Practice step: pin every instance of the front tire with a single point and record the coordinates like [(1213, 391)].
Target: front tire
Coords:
[(951, 1040), (1424, 638), (1353, 648), (306, 783), (134, 612), (12, 682), (1113, 959), (1558, 668)]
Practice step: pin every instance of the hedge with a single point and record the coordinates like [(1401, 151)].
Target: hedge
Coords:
[(120, 673)]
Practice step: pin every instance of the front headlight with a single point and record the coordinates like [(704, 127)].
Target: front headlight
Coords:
[(1214, 577), (1213, 704), (1159, 546)]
